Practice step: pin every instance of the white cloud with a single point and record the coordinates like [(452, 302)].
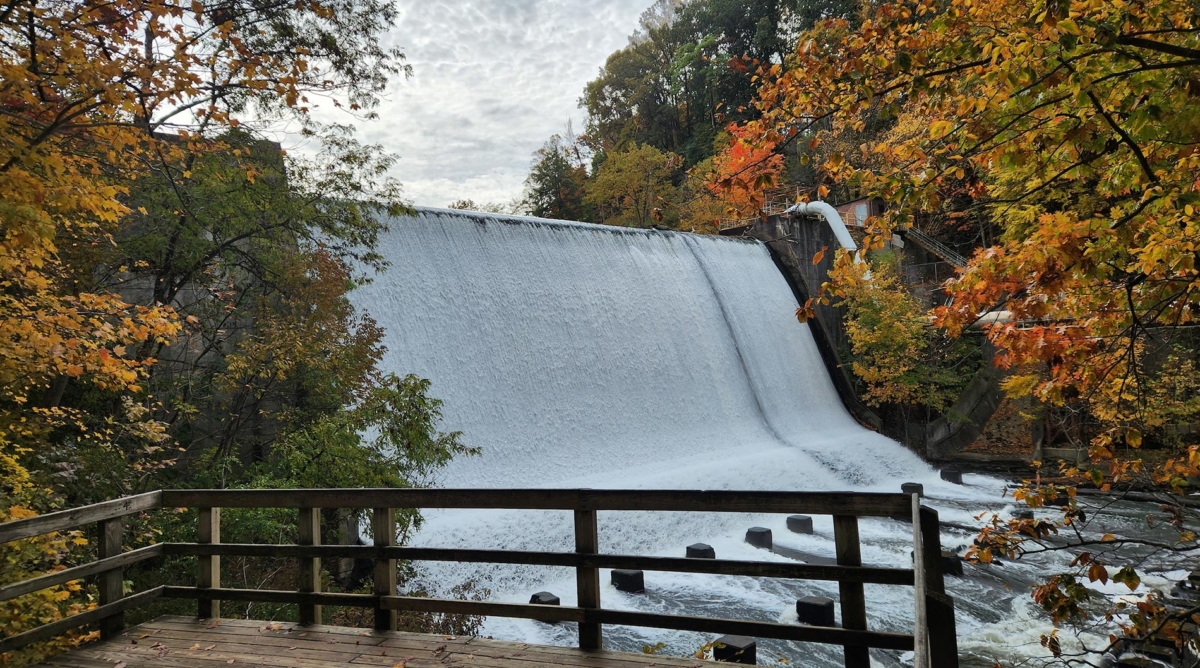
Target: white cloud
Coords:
[(493, 79)]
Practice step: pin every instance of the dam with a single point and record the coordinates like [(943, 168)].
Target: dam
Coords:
[(586, 356)]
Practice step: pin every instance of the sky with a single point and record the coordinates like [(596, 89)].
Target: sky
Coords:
[(492, 80)]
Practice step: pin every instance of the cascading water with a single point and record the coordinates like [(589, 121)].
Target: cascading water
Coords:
[(588, 356)]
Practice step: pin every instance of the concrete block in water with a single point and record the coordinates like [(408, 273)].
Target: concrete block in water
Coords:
[(544, 598), (815, 611), (952, 564), (799, 524), (630, 581), (1023, 514), (701, 551), (736, 649), (952, 476), (759, 537), (913, 488)]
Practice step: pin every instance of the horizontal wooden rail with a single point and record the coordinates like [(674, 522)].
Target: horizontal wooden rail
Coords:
[(555, 613), (70, 519), (78, 572), (817, 634), (797, 571), (57, 628), (718, 501), (271, 596)]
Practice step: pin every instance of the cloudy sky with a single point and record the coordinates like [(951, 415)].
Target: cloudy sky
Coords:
[(492, 80)]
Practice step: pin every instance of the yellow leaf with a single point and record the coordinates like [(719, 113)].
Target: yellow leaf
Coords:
[(1134, 438)]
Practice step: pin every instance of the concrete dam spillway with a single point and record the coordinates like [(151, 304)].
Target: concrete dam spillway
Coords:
[(578, 355), (568, 352)]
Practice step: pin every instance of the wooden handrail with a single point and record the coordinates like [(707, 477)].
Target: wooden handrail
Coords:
[(771, 569), (97, 614), (933, 607), (76, 517), (68, 574), (860, 504)]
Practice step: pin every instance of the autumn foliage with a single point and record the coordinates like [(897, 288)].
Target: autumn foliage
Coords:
[(1074, 128), (746, 168), (147, 225)]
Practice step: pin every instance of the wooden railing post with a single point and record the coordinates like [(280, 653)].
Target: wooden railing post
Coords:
[(854, 604), (587, 580), (931, 547), (920, 616), (310, 567), (939, 608), (112, 582), (383, 526), (209, 531)]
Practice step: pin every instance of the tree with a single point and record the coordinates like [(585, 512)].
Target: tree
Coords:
[(742, 171), (555, 185), (486, 207), (161, 262), (1073, 127), (680, 79), (634, 187)]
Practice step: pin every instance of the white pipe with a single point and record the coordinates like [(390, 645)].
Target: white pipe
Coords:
[(992, 318), (831, 216)]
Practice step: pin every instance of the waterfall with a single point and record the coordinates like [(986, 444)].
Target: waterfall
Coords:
[(588, 356), (582, 355)]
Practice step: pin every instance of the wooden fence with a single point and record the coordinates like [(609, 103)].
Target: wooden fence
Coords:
[(933, 639)]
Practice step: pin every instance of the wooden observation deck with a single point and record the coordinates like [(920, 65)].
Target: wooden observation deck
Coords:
[(207, 640)]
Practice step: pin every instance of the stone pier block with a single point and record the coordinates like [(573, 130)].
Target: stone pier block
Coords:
[(815, 611), (544, 598), (736, 649), (952, 476), (952, 564), (630, 581), (799, 524), (913, 488), (759, 537), (701, 551)]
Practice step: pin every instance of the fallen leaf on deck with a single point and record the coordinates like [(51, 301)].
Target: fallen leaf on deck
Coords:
[(195, 646)]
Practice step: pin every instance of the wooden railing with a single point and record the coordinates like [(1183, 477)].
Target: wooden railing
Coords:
[(933, 639)]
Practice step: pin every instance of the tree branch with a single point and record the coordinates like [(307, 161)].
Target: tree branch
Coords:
[(1137, 151), (1160, 47)]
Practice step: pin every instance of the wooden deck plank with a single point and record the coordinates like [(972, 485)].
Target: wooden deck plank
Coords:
[(181, 642)]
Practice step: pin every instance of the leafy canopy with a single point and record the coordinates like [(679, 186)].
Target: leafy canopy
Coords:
[(1074, 127)]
